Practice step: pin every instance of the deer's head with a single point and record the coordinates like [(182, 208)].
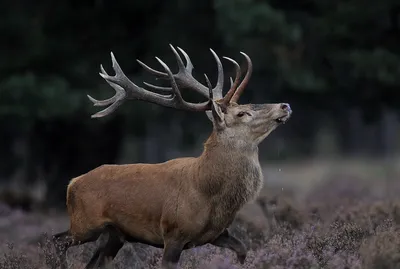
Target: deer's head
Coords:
[(248, 123)]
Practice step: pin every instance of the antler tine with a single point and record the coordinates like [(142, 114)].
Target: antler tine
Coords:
[(189, 65), (217, 91), (108, 101), (245, 81), (182, 68), (177, 96), (184, 77), (151, 70), (234, 84), (114, 101), (231, 81), (181, 65), (191, 81), (174, 87), (159, 88), (210, 89)]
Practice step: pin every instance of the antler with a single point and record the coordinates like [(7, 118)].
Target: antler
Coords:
[(184, 77), (232, 96), (245, 81), (228, 96), (126, 89), (171, 96)]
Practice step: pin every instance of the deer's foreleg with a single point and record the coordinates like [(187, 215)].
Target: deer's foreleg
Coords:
[(172, 253), (226, 240)]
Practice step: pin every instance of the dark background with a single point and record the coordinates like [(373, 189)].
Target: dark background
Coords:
[(336, 62)]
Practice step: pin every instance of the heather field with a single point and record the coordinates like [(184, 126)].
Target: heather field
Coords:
[(330, 218)]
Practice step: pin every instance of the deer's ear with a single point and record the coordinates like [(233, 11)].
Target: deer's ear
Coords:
[(216, 115)]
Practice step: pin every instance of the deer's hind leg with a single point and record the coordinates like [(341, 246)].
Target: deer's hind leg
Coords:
[(108, 241), (111, 242), (226, 240)]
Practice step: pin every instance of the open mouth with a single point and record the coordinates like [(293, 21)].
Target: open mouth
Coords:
[(283, 119)]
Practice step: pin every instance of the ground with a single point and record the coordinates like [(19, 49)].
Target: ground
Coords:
[(310, 215)]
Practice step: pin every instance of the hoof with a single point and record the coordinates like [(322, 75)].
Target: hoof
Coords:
[(241, 258)]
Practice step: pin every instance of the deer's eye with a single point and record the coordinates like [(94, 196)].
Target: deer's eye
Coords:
[(241, 114)]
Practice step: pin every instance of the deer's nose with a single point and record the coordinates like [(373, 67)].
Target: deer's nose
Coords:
[(286, 107)]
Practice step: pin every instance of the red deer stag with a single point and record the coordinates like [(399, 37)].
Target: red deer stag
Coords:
[(184, 202)]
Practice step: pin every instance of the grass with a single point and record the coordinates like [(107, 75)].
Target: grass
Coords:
[(341, 222)]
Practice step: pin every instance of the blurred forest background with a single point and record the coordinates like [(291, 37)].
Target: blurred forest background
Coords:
[(336, 62)]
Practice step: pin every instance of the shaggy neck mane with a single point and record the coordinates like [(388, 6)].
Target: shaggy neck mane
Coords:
[(223, 158), (226, 169), (217, 145)]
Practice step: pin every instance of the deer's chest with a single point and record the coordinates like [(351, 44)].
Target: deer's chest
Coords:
[(240, 187), (244, 185)]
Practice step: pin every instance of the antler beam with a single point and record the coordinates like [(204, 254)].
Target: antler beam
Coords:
[(171, 96)]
